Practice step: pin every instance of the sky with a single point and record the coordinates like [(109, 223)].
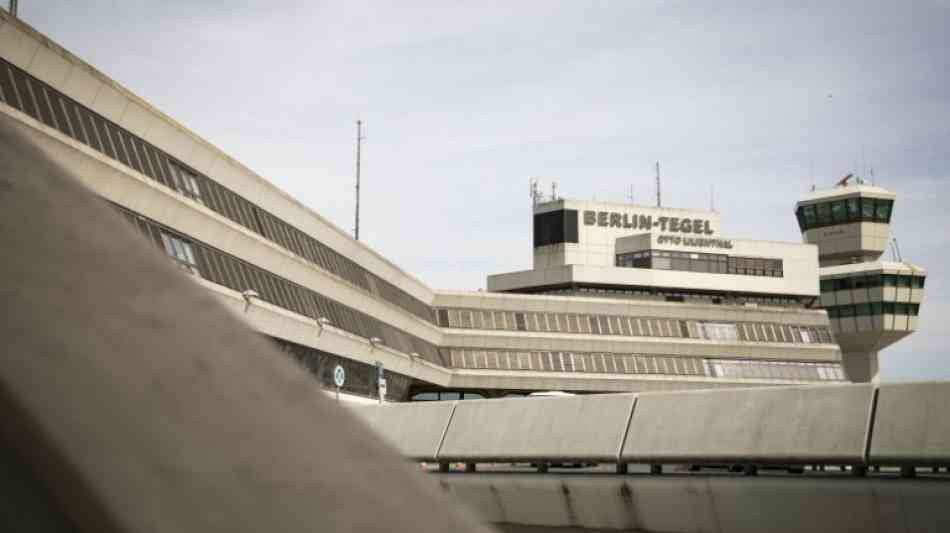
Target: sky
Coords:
[(750, 103)]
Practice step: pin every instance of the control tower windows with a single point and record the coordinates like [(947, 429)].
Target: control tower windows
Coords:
[(854, 209), (824, 214), (882, 211), (839, 212), (844, 211)]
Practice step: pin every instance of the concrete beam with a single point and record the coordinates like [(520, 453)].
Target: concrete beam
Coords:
[(591, 428), (911, 425), (805, 424)]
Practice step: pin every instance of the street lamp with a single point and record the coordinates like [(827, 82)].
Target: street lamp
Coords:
[(248, 295), (322, 323)]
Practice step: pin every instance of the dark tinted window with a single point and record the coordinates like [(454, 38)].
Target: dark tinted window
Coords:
[(555, 227)]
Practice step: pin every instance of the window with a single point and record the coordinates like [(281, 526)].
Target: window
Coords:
[(882, 210), (811, 218), (904, 281), (862, 309), (839, 212), (854, 209), (867, 209), (180, 250), (186, 182), (824, 214), (918, 282), (718, 332), (889, 280)]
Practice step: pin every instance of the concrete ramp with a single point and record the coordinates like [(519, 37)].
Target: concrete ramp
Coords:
[(826, 424), (912, 425), (589, 428)]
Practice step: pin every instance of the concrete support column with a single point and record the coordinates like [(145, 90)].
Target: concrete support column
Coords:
[(860, 367)]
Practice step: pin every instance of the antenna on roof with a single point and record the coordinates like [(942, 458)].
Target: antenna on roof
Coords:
[(712, 197), (535, 191), (630, 194), (872, 175), (897, 250), (554, 191), (359, 142), (658, 184), (13, 8)]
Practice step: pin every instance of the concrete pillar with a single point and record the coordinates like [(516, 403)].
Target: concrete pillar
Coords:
[(860, 367)]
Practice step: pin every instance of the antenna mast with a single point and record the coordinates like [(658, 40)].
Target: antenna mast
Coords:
[(359, 142), (658, 184)]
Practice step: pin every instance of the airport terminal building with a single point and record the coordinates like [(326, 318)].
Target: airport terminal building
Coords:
[(619, 297)]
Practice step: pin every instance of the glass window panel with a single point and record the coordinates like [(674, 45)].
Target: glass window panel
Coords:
[(882, 210), (824, 213), (867, 209), (854, 209), (839, 212), (811, 218), (520, 322)]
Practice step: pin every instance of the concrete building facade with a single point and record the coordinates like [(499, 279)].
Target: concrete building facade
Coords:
[(621, 298)]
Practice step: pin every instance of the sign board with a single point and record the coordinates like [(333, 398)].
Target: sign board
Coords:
[(339, 376), (611, 219)]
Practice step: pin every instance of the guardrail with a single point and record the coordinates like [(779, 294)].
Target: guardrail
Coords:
[(855, 426)]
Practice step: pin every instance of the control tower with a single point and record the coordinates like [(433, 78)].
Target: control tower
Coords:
[(871, 303)]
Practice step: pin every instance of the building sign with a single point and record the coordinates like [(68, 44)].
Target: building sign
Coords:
[(610, 219), (695, 242)]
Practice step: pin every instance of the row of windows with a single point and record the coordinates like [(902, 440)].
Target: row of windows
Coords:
[(630, 326), (873, 308), (792, 371), (844, 211), (591, 363), (226, 270), (361, 378), (436, 396), (612, 363), (18, 89), (869, 281), (674, 295), (701, 262)]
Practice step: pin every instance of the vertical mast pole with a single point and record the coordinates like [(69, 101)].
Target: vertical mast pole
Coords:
[(658, 184), (359, 142)]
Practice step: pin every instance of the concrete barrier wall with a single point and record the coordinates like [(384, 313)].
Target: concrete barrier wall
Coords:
[(821, 424), (414, 429), (912, 425), (703, 503), (581, 427)]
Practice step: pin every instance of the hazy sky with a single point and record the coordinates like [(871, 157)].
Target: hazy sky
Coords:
[(464, 102)]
